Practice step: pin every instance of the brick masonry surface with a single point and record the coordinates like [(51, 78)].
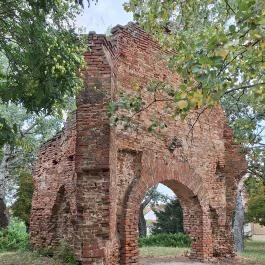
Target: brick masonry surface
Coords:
[(91, 178)]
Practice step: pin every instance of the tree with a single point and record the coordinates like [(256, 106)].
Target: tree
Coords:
[(169, 220), (219, 46), (219, 55), (256, 201), (153, 197), (18, 156), (40, 54), (238, 223), (22, 206)]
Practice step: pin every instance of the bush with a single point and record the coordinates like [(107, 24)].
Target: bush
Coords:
[(15, 237), (165, 240), (63, 252)]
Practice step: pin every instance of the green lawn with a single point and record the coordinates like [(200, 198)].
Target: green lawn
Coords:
[(26, 258), (255, 250), (162, 251)]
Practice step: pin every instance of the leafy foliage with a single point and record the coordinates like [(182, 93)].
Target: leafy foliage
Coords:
[(218, 51), (152, 198), (22, 206), (169, 220), (63, 252), (31, 129), (15, 237), (17, 159), (40, 56), (256, 201), (165, 240), (219, 45)]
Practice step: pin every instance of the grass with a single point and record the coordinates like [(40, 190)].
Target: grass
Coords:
[(162, 251), (255, 250), (26, 258), (254, 253)]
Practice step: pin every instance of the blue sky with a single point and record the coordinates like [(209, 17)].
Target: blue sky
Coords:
[(106, 13)]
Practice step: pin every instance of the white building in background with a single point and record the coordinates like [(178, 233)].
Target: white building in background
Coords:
[(254, 231)]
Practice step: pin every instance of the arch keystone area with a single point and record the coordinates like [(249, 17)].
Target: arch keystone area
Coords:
[(90, 197)]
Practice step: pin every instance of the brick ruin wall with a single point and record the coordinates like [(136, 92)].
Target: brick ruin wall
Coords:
[(90, 179), (54, 202)]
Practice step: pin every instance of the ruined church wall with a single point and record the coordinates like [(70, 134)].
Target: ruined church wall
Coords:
[(53, 205), (202, 144), (90, 178), (92, 156)]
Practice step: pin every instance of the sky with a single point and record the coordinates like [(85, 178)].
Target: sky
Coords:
[(103, 15)]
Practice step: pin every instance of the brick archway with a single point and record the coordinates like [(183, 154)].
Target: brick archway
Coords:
[(106, 170), (189, 189)]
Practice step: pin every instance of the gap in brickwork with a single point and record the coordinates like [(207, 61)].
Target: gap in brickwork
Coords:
[(160, 213)]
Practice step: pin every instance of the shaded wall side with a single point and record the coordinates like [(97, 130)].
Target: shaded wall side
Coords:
[(92, 157), (53, 204)]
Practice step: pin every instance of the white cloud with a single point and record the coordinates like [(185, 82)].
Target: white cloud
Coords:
[(104, 14)]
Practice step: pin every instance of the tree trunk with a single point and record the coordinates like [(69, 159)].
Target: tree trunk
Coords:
[(4, 173), (238, 228), (3, 215), (142, 223)]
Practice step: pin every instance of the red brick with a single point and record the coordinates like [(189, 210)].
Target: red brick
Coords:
[(90, 178)]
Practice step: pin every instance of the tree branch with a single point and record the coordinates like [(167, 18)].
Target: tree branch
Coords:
[(243, 87), (228, 5), (197, 119)]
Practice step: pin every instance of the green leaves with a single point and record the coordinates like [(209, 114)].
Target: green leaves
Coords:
[(22, 206), (220, 55), (42, 52), (7, 132), (40, 58), (26, 131), (170, 219), (256, 202), (215, 40)]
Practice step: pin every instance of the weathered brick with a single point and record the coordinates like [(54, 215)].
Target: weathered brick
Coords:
[(91, 178)]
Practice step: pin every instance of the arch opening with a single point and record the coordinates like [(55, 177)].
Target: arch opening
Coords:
[(192, 214), (160, 202)]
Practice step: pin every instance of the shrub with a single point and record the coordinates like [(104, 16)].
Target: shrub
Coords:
[(15, 237), (165, 240), (63, 252)]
